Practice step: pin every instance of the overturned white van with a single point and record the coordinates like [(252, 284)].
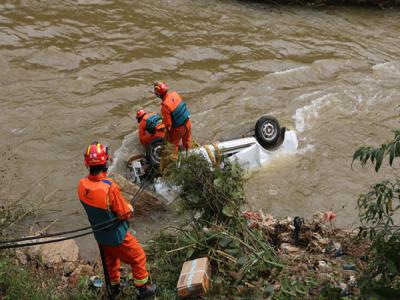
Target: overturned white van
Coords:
[(251, 151)]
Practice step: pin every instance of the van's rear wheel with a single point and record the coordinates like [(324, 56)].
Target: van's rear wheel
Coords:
[(153, 151), (268, 132)]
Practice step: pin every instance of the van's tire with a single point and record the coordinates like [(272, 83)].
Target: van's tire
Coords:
[(268, 132), (153, 151)]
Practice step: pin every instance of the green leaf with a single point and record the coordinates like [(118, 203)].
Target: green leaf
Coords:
[(189, 253), (391, 266), (242, 260), (392, 152), (357, 155), (270, 289), (235, 244), (398, 149), (379, 158), (228, 211), (225, 242), (218, 182), (233, 251)]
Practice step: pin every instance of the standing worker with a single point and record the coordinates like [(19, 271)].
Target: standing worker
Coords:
[(175, 116), (150, 127), (103, 202)]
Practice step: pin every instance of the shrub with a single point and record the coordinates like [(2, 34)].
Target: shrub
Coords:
[(377, 209)]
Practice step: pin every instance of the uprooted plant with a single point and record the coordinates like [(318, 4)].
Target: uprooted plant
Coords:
[(215, 193), (243, 262)]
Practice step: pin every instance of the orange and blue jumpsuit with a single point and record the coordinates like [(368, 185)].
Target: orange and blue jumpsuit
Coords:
[(150, 128), (102, 200), (176, 119)]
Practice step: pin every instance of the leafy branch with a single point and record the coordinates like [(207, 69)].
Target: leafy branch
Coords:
[(381, 279), (376, 155), (377, 205)]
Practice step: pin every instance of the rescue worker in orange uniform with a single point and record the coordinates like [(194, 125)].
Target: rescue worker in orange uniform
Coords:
[(108, 212), (150, 127), (176, 116)]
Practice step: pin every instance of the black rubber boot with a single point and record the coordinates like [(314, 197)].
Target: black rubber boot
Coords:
[(146, 291), (115, 290)]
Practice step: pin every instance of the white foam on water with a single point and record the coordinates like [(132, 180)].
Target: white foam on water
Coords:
[(307, 148), (308, 95), (391, 66), (303, 115), (122, 152), (294, 70)]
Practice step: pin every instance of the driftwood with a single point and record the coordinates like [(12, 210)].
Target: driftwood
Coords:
[(146, 202)]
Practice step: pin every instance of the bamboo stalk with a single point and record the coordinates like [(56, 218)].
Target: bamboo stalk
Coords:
[(230, 257), (179, 249), (48, 226), (256, 253), (32, 209)]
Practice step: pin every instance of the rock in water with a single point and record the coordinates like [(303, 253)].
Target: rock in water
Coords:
[(54, 253), (60, 251)]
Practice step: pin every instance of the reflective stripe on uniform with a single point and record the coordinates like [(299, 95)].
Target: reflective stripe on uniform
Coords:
[(108, 198), (140, 281)]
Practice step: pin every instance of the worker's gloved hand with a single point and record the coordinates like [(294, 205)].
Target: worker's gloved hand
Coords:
[(131, 208)]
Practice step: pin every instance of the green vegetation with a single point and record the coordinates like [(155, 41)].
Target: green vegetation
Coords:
[(21, 285), (244, 264), (216, 194), (378, 208), (35, 282)]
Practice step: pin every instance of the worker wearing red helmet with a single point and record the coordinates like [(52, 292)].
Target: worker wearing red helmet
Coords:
[(108, 212), (150, 126), (175, 115)]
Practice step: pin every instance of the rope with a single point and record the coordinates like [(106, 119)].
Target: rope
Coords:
[(210, 155), (215, 158), (218, 155), (98, 227), (46, 242)]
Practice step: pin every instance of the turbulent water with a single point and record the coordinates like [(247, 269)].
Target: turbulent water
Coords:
[(75, 71)]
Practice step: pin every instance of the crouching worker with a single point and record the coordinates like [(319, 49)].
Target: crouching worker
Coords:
[(150, 127), (108, 212)]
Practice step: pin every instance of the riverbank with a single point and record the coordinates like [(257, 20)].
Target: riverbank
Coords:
[(323, 262), (253, 255)]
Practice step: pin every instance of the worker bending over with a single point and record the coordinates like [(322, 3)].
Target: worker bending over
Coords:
[(150, 127), (108, 212)]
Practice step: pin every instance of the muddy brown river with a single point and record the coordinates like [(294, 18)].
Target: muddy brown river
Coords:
[(75, 71)]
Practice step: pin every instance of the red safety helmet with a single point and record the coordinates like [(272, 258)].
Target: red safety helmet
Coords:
[(96, 154), (140, 113), (160, 88)]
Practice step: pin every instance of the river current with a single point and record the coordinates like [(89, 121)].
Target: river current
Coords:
[(76, 71)]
